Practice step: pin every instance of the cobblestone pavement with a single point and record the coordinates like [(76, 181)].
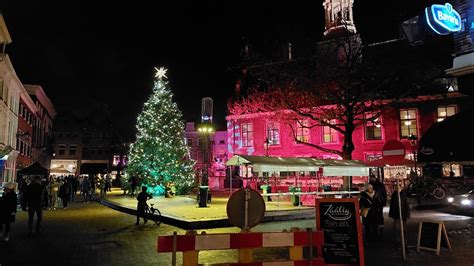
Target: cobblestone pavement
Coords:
[(91, 234)]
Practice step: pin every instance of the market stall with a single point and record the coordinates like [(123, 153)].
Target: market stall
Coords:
[(282, 174)]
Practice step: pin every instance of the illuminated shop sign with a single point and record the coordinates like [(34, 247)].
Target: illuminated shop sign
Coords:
[(443, 19)]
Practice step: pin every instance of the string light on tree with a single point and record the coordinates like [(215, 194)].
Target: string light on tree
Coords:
[(159, 154)]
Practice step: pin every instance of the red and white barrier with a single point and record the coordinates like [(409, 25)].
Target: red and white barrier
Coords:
[(239, 241)]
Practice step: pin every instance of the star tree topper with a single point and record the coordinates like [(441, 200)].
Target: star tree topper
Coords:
[(161, 72)]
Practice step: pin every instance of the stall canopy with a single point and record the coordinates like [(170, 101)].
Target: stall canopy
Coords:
[(282, 164), (34, 169)]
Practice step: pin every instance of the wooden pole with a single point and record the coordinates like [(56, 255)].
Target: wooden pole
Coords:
[(402, 235)]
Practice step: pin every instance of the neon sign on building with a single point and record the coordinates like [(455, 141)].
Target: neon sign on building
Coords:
[(443, 19)]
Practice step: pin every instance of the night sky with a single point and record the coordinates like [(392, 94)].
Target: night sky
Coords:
[(82, 53)]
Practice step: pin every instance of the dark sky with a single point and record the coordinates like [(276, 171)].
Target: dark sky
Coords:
[(80, 51)]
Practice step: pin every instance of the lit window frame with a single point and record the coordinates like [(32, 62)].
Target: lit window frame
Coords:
[(408, 123), (247, 134)]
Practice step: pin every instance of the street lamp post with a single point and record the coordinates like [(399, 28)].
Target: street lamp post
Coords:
[(266, 144), (414, 144), (206, 130)]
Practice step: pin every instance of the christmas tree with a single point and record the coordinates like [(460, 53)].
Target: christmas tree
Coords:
[(159, 155)]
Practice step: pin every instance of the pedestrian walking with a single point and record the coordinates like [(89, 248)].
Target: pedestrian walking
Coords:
[(8, 203), (86, 189), (133, 184), (53, 193), (65, 193), (381, 194), (394, 211), (141, 205), (108, 182), (34, 198), (370, 208)]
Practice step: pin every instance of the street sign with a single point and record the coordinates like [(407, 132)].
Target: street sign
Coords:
[(245, 208), (394, 149)]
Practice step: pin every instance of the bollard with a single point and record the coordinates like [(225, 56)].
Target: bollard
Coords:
[(296, 252), (191, 258)]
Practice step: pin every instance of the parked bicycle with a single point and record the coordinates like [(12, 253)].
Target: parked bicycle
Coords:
[(424, 187), (153, 214)]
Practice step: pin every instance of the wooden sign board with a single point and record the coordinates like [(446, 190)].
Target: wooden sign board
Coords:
[(339, 219), (431, 236)]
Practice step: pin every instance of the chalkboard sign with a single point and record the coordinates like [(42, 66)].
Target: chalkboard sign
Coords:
[(432, 235), (340, 222)]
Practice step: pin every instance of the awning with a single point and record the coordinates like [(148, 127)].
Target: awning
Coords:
[(449, 141), (34, 169), (284, 164), (94, 168)]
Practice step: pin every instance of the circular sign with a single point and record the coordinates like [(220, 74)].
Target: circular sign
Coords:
[(242, 216), (394, 149)]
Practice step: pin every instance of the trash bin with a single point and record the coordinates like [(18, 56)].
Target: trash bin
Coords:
[(203, 190), (295, 199), (266, 189)]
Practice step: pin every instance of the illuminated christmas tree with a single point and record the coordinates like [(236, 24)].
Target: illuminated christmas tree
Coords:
[(159, 155)]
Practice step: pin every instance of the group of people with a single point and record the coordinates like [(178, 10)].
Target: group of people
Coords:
[(38, 193), (373, 200), (32, 202)]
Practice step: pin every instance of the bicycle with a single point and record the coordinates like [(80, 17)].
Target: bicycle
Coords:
[(153, 214)]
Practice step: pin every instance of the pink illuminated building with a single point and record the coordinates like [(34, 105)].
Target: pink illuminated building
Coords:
[(262, 134)]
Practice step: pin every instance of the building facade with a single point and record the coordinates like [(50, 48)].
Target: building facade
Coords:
[(266, 134), (10, 90), (26, 119), (42, 138), (86, 143)]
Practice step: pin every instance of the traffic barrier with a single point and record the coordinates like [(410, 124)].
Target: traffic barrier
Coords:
[(191, 243)]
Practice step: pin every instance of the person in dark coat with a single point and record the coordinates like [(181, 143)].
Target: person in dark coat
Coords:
[(141, 205), (34, 199), (65, 192), (394, 212), (370, 209), (8, 203), (133, 184), (381, 194)]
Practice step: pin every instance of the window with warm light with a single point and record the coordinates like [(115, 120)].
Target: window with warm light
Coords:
[(446, 111), (116, 160), (330, 134), (273, 133), (408, 123), (302, 130), (247, 135), (373, 127)]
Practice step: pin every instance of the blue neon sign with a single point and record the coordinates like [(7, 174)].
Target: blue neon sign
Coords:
[(443, 19)]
